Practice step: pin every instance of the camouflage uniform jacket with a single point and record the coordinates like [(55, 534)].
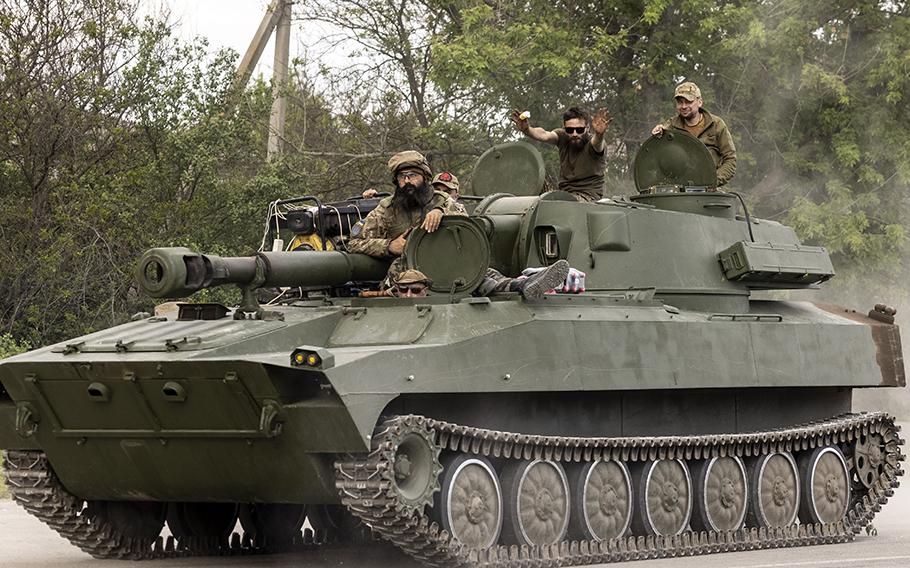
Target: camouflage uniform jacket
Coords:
[(387, 222), (716, 137)]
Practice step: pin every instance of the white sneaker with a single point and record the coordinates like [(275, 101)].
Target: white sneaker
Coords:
[(538, 284)]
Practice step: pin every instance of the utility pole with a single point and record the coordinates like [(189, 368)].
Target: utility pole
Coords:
[(277, 16)]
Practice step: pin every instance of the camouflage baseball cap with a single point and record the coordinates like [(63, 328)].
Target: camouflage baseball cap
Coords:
[(688, 91), (413, 276), (409, 159), (446, 179)]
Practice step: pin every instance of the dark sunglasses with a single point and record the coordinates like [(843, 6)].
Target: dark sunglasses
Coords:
[(576, 130), (415, 289)]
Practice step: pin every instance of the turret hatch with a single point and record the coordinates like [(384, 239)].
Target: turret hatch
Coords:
[(676, 161)]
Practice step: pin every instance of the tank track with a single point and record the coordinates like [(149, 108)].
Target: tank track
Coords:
[(366, 486), (34, 485)]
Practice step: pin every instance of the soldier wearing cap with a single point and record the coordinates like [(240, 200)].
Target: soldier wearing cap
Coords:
[(448, 183), (384, 232), (711, 130), (414, 203), (532, 284), (411, 283), (582, 159)]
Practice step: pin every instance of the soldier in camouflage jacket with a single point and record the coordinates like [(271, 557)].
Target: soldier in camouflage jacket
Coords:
[(415, 203)]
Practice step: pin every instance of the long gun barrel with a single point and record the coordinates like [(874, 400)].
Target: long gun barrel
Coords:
[(176, 272)]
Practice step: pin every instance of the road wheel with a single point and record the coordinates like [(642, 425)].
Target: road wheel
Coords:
[(272, 525), (334, 523), (720, 494), (470, 503), (663, 497), (773, 490), (208, 522), (536, 494), (133, 519), (601, 500), (825, 486)]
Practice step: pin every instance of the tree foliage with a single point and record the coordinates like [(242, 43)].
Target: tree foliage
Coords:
[(813, 93), (115, 136), (112, 138)]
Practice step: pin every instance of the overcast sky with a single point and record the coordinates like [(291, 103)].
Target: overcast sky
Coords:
[(226, 23)]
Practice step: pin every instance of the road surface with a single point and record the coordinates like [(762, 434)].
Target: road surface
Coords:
[(27, 543)]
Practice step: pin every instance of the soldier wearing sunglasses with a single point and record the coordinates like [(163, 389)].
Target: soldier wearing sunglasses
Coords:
[(532, 284), (581, 149), (411, 284)]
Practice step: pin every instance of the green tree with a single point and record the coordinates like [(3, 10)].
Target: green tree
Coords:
[(113, 137), (813, 93)]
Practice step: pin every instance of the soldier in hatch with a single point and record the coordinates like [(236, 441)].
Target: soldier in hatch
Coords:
[(710, 129), (448, 183), (581, 149), (411, 283), (384, 232)]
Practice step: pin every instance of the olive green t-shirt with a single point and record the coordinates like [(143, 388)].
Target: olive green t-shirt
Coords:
[(697, 128), (581, 171)]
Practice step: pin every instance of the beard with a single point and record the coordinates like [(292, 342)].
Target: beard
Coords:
[(579, 143), (410, 196)]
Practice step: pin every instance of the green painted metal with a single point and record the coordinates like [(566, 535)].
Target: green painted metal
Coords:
[(768, 263), (666, 339), (714, 204), (513, 167), (673, 161), (176, 272), (456, 256)]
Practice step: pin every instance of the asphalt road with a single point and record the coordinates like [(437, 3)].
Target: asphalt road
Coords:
[(26, 543)]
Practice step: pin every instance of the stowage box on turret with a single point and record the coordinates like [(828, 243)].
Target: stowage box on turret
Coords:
[(664, 411)]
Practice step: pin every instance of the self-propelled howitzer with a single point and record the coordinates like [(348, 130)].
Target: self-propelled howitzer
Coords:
[(664, 411)]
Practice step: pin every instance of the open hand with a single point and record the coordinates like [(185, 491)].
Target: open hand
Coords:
[(600, 121), (520, 123)]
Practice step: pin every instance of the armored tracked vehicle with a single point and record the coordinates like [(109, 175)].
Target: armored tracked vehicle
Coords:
[(665, 411)]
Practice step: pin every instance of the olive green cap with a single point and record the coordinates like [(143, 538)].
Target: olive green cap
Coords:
[(688, 91), (409, 159), (413, 276), (447, 179)]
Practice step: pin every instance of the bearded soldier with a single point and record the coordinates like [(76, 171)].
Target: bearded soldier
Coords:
[(582, 159), (416, 204)]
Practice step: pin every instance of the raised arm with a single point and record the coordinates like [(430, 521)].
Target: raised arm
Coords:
[(533, 132), (599, 124)]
